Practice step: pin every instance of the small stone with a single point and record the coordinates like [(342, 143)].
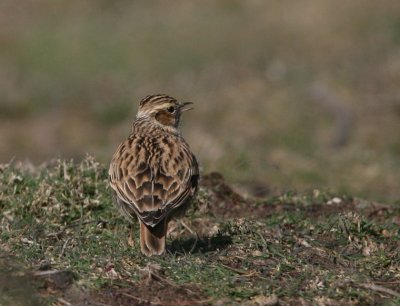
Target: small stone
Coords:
[(111, 273), (366, 251), (385, 233)]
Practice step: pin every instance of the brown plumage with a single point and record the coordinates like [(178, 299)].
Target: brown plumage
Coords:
[(153, 174)]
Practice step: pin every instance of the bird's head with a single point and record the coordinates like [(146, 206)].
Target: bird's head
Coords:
[(163, 109)]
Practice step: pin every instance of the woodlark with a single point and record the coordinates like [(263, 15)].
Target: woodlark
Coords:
[(153, 174)]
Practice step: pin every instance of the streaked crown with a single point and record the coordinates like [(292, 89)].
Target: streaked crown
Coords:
[(156, 99)]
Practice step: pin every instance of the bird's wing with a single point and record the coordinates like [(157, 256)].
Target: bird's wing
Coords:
[(153, 175)]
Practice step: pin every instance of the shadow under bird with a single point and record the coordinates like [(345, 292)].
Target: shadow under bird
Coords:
[(153, 173)]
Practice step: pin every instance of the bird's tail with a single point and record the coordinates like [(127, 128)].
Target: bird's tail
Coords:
[(152, 239)]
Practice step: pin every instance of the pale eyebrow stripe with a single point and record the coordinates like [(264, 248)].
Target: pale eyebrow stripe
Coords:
[(161, 106)]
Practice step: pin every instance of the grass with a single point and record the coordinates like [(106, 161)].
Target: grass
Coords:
[(63, 239), (288, 94)]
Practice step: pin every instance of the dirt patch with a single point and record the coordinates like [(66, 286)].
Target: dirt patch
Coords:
[(17, 287), (321, 211), (153, 289), (145, 293), (226, 202)]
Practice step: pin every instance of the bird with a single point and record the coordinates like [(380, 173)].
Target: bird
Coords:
[(154, 174)]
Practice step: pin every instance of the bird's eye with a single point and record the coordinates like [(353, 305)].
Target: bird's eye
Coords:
[(171, 109)]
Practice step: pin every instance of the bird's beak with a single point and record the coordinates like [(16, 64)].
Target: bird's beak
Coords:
[(185, 106)]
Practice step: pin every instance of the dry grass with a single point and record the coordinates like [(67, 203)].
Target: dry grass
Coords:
[(63, 240)]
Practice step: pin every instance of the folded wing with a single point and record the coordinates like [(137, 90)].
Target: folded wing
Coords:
[(152, 177)]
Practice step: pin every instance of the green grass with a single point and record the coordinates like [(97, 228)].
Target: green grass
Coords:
[(315, 247)]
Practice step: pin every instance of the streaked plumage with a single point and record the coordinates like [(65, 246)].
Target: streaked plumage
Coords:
[(153, 173)]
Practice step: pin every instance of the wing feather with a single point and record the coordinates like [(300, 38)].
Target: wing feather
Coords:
[(152, 175)]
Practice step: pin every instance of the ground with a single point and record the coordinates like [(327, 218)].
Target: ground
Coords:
[(62, 242)]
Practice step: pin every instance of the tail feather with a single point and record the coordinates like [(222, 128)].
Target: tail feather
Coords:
[(152, 239)]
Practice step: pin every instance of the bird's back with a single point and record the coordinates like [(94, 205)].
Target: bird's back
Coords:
[(153, 173)]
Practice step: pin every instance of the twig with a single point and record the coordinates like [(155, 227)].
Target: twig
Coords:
[(187, 227), (64, 302), (394, 282), (63, 248), (241, 272), (162, 279), (47, 272), (380, 289), (244, 273), (262, 238), (194, 244), (65, 170), (193, 233)]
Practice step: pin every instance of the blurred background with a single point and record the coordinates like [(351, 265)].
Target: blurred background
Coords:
[(288, 94)]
